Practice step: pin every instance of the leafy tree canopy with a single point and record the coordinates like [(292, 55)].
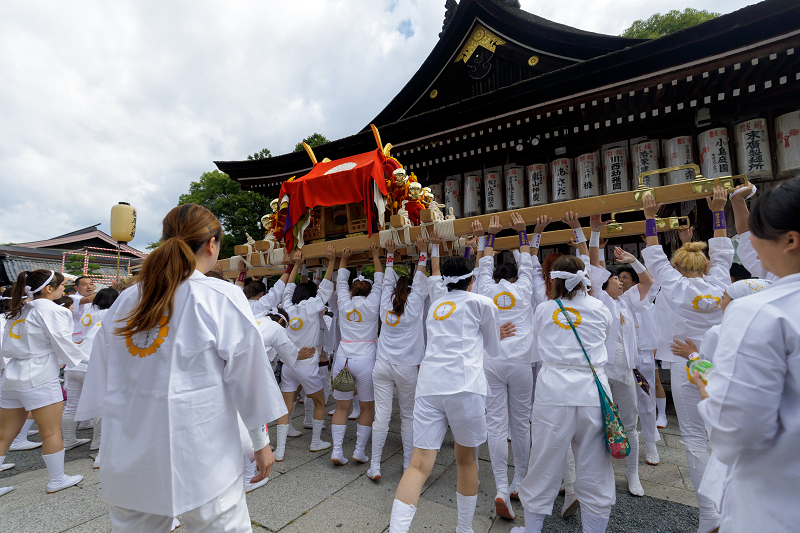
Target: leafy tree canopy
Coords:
[(239, 211), (659, 25), (313, 141), (263, 154), (74, 266)]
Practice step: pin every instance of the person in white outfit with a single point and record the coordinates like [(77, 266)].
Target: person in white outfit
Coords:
[(180, 355), (622, 345), (82, 300), (741, 218), (451, 389), (37, 340), (752, 411), (359, 308), (304, 303), (400, 351), (566, 410), (687, 306)]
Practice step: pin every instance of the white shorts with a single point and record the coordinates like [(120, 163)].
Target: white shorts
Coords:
[(465, 412), (307, 376), (32, 398), (361, 368)]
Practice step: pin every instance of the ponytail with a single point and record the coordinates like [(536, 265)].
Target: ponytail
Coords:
[(400, 295), (186, 229), (34, 280)]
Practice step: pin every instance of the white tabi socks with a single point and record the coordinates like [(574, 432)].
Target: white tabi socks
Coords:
[(533, 524), (378, 440), (337, 455), (280, 447), (68, 428), (362, 437), (466, 511), (317, 444), (356, 412), (661, 412), (5, 466), (250, 473), (55, 468), (408, 447), (402, 515), (651, 453), (592, 523), (21, 441), (632, 466), (308, 421)]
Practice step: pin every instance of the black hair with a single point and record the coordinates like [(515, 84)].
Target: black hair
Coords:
[(304, 291), (105, 298), (254, 288), (78, 280), (739, 272), (611, 275), (506, 271), (64, 301), (282, 315), (32, 279), (630, 271), (457, 266), (215, 274), (775, 211)]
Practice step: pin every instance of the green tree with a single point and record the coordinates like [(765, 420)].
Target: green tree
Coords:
[(239, 211), (152, 245), (312, 140), (263, 154), (659, 25), (74, 266)]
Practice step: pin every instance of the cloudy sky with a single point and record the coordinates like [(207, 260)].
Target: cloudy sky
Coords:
[(102, 102)]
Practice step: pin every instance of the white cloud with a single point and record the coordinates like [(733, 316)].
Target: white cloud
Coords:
[(131, 100)]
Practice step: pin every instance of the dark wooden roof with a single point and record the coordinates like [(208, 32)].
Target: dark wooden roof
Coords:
[(601, 72)]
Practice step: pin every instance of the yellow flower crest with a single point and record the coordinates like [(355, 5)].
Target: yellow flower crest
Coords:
[(709, 298), (84, 322), (15, 332), (144, 343), (296, 324), (355, 313), (391, 319), (575, 321), (444, 310), (505, 301)]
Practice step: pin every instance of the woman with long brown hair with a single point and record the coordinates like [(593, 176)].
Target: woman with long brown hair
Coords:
[(37, 340), (179, 355)]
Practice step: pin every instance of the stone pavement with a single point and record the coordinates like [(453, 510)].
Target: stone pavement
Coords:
[(307, 493)]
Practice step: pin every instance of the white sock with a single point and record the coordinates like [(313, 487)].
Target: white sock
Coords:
[(378, 441), (632, 465), (55, 467), (308, 421), (337, 431), (362, 436), (23, 434), (249, 470), (317, 443), (356, 408), (592, 523), (466, 511), (280, 448), (661, 406), (402, 515), (534, 522)]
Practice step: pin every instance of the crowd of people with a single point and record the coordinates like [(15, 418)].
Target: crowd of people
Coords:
[(184, 370)]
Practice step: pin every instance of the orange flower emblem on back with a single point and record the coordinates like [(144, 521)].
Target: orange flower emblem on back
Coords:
[(144, 343)]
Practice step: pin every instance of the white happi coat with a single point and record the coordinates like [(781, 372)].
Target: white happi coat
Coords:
[(752, 413), (750, 260), (358, 317), (687, 307), (36, 343), (304, 319), (78, 311), (170, 396), (401, 340), (273, 298), (565, 377), (90, 334), (461, 326), (513, 301), (276, 341)]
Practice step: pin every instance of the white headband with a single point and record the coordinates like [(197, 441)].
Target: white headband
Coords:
[(745, 287), (455, 279), (30, 293), (361, 277), (6, 297), (572, 280)]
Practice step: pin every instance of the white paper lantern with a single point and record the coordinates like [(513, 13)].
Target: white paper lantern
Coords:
[(715, 153), (678, 151), (561, 171), (537, 184), (438, 192), (752, 148), (472, 194), (615, 170), (123, 222), (588, 168), (787, 145), (452, 195), (515, 187), (645, 159), (493, 190)]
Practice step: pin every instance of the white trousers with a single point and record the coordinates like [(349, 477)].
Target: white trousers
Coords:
[(74, 382), (507, 412), (361, 369), (647, 402), (385, 376), (553, 429), (227, 513), (624, 395), (685, 396)]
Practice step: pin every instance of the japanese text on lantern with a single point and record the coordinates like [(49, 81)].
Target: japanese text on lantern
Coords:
[(536, 177), (615, 161)]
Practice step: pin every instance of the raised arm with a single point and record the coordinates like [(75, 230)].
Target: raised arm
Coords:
[(437, 240), (645, 279), (650, 210), (571, 219), (518, 223), (376, 258), (541, 224), (330, 254), (594, 241), (741, 215), (491, 233), (717, 206)]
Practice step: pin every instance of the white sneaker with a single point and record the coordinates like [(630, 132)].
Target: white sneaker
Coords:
[(5, 490), (502, 506), (250, 487), (651, 454), (374, 475), (6, 466), (66, 481), (19, 445)]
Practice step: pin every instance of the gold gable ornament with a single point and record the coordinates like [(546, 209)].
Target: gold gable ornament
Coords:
[(480, 37)]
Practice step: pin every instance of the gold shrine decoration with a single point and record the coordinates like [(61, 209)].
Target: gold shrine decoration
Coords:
[(480, 37)]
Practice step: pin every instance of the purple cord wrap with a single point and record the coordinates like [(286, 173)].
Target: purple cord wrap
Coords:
[(523, 238), (651, 228), (490, 240), (719, 220)]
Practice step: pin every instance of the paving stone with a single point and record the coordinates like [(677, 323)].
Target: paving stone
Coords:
[(687, 478), (29, 509), (342, 516), (672, 494), (434, 517)]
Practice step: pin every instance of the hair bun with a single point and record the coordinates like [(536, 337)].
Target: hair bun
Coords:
[(698, 246)]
